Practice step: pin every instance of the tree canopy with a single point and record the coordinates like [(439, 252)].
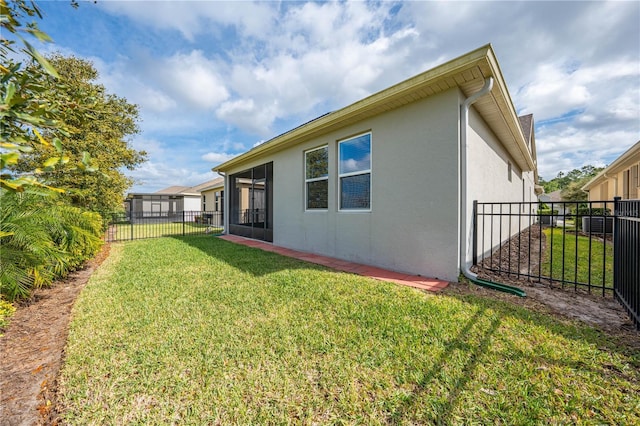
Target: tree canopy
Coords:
[(97, 123), (25, 107), (570, 183)]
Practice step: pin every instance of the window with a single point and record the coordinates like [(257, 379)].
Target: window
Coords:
[(316, 173), (219, 201), (354, 172)]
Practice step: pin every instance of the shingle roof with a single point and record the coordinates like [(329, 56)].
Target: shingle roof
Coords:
[(527, 128), (176, 189), (208, 184)]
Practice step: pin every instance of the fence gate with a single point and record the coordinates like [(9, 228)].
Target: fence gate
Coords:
[(626, 258)]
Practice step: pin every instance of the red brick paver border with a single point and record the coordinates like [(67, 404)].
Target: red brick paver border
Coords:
[(416, 281)]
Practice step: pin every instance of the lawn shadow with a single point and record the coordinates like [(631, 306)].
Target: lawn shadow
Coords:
[(251, 260), (461, 343), (619, 338), (473, 339)]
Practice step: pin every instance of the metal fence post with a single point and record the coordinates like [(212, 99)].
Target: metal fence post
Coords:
[(131, 221), (616, 248), (183, 224), (475, 232)]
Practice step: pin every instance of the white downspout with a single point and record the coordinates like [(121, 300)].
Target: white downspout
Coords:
[(464, 122)]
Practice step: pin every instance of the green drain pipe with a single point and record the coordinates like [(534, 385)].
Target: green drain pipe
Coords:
[(497, 286)]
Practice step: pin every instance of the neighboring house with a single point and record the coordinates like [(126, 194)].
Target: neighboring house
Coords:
[(212, 193), (620, 179), (390, 180), (556, 199), (168, 202), (552, 197)]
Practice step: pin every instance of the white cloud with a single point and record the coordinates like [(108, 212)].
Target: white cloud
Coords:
[(231, 70), (217, 157), (192, 18), (153, 176), (193, 78), (245, 114), (564, 147)]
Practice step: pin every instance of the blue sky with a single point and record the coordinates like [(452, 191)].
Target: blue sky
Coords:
[(213, 79)]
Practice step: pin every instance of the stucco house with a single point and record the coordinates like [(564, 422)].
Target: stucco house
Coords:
[(212, 195), (171, 201), (620, 179), (167, 202), (390, 180)]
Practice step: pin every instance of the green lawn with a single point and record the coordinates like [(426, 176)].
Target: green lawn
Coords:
[(196, 330), (126, 231), (598, 271)]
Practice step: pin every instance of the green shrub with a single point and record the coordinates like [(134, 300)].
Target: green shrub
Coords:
[(6, 312), (42, 238)]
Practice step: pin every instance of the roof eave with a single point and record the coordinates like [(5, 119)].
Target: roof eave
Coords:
[(600, 177), (449, 74)]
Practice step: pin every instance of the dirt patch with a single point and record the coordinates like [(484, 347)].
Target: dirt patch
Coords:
[(599, 312), (523, 254), (32, 350)]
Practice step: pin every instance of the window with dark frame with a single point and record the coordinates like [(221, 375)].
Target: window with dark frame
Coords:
[(354, 172), (317, 178)]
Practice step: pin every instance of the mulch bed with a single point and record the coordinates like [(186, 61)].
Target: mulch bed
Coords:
[(33, 349)]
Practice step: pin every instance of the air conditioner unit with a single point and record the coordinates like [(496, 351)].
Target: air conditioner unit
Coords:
[(597, 224)]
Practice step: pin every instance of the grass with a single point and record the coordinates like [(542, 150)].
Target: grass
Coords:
[(196, 330), (594, 259), (6, 312), (125, 231)]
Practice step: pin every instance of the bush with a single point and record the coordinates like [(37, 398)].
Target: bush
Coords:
[(6, 312), (584, 210), (42, 238)]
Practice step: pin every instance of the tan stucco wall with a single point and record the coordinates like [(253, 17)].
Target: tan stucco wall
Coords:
[(612, 185), (207, 200), (208, 203)]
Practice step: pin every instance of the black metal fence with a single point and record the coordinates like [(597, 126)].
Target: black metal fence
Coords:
[(626, 261), (565, 244), (138, 225)]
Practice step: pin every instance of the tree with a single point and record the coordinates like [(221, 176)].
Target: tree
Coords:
[(97, 123), (571, 183), (25, 110)]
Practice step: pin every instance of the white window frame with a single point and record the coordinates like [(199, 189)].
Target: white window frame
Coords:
[(357, 173), (318, 179)]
